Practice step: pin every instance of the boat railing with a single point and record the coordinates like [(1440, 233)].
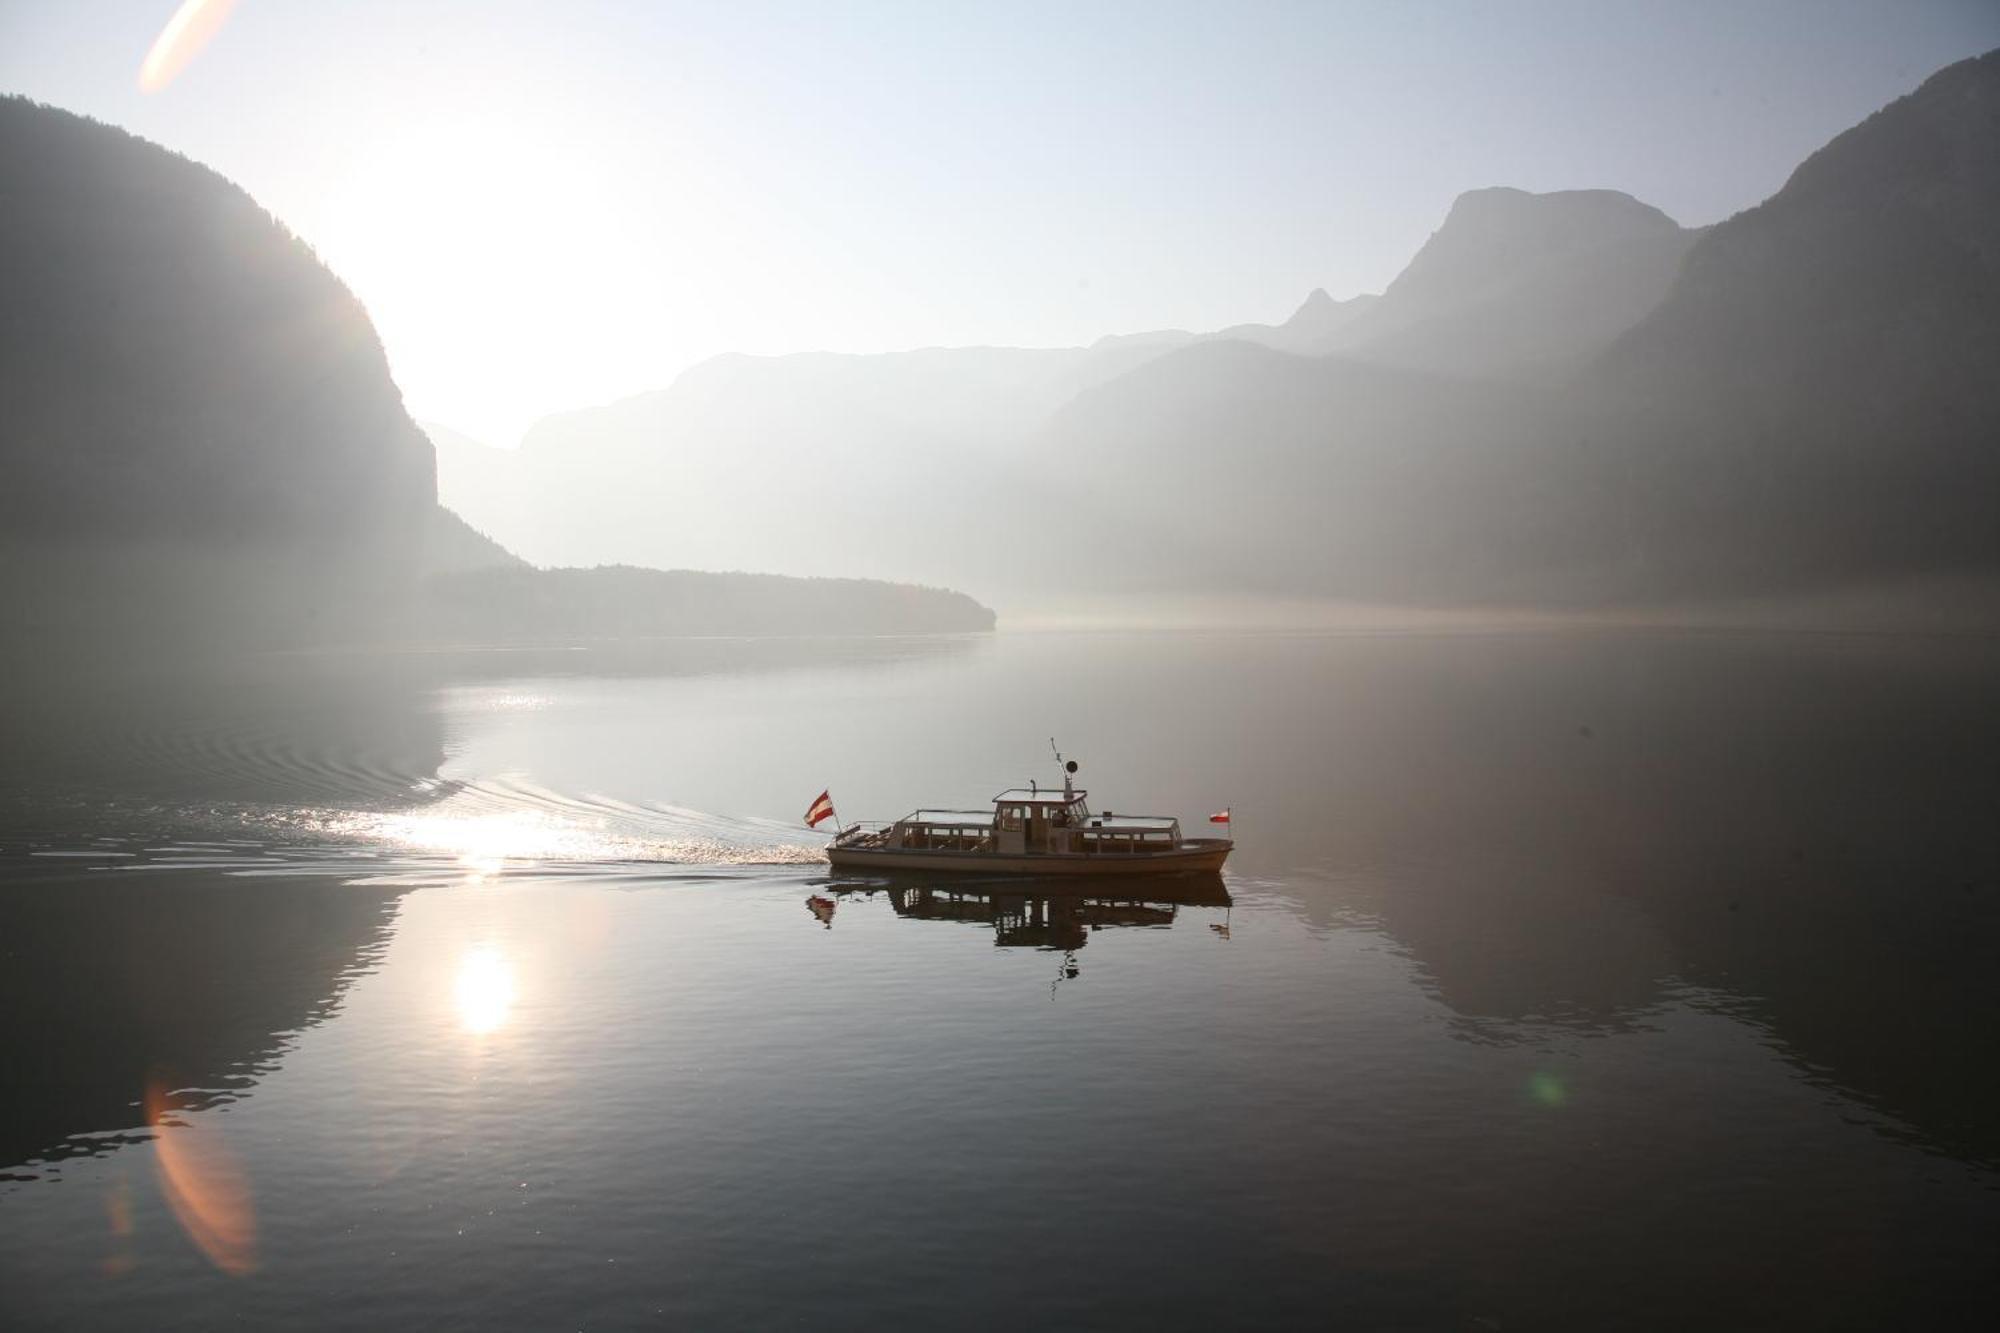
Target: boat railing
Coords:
[(943, 831), (1108, 821)]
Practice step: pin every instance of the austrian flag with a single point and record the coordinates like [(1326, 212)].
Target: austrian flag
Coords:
[(820, 809)]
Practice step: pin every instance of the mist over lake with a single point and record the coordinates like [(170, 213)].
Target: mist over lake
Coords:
[(881, 667)]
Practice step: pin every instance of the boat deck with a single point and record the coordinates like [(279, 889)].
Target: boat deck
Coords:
[(1029, 831), (870, 849)]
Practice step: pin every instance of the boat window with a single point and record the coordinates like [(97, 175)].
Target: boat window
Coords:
[(1010, 819)]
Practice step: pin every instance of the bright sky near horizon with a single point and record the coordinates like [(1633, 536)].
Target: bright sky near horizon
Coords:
[(549, 205)]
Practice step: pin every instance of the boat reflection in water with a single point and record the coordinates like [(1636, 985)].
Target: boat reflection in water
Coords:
[(1054, 914)]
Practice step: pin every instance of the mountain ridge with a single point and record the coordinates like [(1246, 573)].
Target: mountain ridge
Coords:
[(812, 437)]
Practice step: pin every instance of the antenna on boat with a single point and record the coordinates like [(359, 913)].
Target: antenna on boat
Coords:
[(1069, 771)]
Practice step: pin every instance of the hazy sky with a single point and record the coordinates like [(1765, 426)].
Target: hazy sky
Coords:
[(548, 205)]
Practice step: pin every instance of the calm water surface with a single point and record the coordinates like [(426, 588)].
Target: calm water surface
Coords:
[(1585, 980)]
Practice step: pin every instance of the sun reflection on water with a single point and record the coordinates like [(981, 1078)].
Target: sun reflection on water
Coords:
[(485, 989), (484, 843)]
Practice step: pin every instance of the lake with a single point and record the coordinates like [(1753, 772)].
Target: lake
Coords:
[(1561, 979)]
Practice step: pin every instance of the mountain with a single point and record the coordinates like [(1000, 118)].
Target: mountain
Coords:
[(969, 465), (1565, 399), (1519, 284), (201, 434), (1811, 405), (450, 545), (1318, 326), (1230, 466), (1818, 398), (204, 447), (887, 467)]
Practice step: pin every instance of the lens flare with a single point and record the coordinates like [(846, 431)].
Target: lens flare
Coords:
[(118, 1215), (191, 28), (203, 1184), (484, 991)]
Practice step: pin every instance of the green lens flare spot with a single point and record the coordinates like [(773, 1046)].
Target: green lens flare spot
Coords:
[(1547, 1089)]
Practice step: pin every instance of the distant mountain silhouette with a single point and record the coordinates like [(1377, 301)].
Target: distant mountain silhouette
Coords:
[(1230, 466), (1512, 284), (1517, 283), (202, 442), (1565, 399), (1320, 324), (1812, 404), (998, 464), (919, 450)]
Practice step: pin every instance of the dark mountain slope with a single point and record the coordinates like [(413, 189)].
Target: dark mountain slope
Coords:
[(200, 428), (175, 362), (1818, 399)]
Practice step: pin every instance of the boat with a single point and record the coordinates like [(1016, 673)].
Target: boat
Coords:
[(1030, 830)]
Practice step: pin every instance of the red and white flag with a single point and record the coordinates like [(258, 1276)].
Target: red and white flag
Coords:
[(820, 809), (1219, 817)]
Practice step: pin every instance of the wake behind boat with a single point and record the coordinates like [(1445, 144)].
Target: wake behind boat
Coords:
[(1028, 831)]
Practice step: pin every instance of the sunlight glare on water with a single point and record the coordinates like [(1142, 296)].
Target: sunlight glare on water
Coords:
[(484, 991), (485, 843)]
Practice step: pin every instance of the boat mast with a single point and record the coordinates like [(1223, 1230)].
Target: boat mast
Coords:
[(1068, 772)]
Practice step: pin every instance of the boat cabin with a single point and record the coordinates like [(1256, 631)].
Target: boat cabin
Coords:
[(1029, 820)]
